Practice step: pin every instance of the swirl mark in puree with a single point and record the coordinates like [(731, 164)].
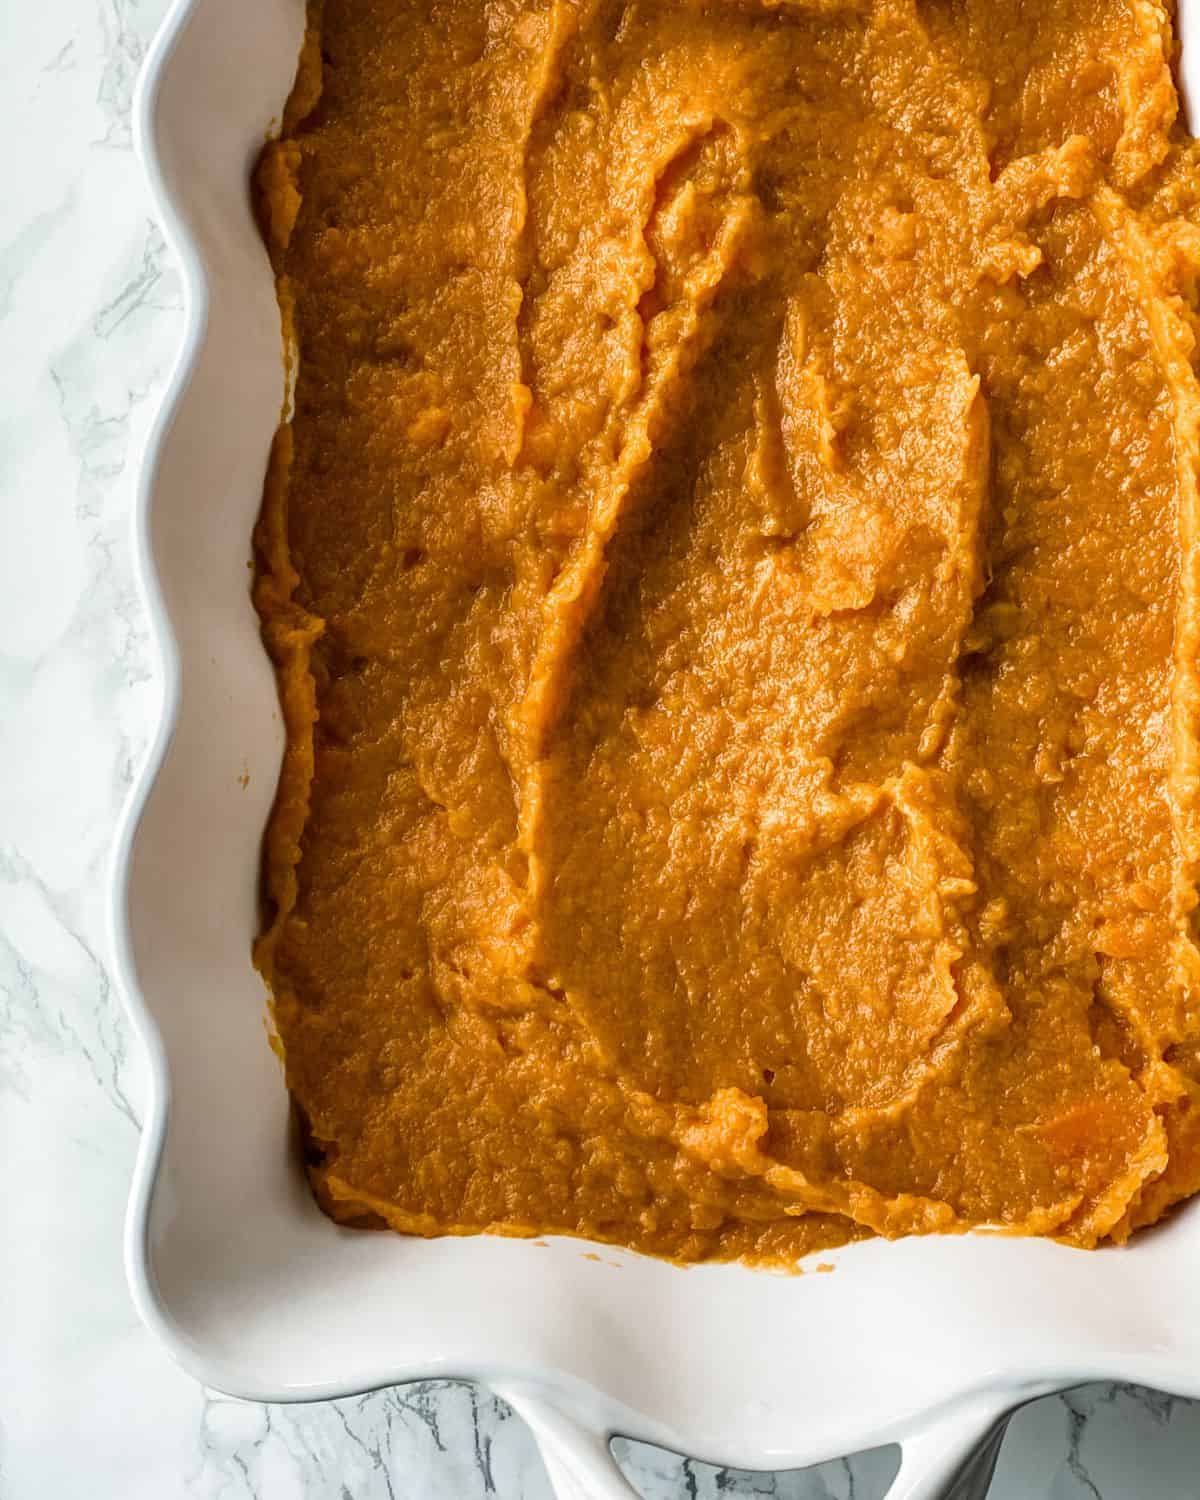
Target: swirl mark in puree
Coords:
[(731, 573)]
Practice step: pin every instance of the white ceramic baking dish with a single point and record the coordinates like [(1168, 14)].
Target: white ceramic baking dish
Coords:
[(929, 1343)]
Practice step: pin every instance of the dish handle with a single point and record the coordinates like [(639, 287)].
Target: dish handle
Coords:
[(576, 1454), (952, 1457)]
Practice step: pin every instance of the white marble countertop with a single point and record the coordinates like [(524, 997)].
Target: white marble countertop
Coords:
[(89, 1405)]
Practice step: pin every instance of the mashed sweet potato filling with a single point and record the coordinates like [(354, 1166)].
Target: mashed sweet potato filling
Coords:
[(732, 573)]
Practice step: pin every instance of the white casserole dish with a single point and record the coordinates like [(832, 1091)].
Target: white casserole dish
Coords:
[(930, 1343)]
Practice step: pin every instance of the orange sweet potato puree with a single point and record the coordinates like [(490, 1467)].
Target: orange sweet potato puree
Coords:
[(732, 573)]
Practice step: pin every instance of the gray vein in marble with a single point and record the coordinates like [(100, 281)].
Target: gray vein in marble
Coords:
[(372, 1447), (146, 288), (1078, 1419), (29, 1019), (1160, 1406), (125, 51), (62, 60), (660, 1474), (17, 256), (483, 1442)]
